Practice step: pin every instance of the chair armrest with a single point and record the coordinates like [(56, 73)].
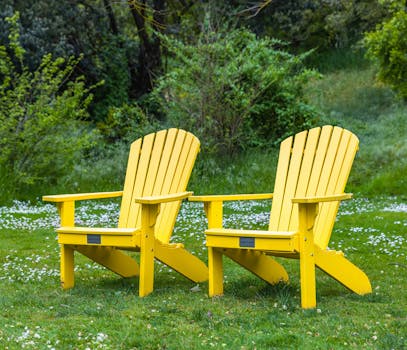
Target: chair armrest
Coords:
[(163, 198), (66, 203), (230, 197), (318, 199), (81, 196), (213, 205)]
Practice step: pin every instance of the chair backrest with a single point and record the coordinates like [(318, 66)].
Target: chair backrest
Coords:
[(159, 163), (312, 163)]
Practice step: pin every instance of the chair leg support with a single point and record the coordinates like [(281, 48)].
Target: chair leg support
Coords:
[(179, 259), (258, 263), (338, 267), (67, 267), (111, 258), (215, 265)]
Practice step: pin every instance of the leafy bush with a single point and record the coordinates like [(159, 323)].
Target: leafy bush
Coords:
[(42, 113), (388, 46), (127, 123), (234, 90), (318, 23)]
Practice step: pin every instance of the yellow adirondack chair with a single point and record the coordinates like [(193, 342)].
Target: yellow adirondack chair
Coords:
[(312, 172), (158, 170)]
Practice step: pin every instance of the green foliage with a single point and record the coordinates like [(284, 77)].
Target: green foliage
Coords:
[(67, 28), (42, 128), (318, 23), (127, 123), (388, 46), (235, 91)]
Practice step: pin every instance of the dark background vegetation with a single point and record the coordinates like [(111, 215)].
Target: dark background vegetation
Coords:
[(81, 79)]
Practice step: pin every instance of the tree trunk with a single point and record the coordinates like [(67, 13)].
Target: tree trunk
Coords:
[(112, 19), (149, 60)]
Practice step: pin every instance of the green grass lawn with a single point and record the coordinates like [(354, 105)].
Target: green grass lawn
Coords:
[(103, 311)]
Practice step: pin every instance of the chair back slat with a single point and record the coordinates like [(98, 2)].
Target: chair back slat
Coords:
[(292, 180), (280, 182), (159, 164), (314, 163)]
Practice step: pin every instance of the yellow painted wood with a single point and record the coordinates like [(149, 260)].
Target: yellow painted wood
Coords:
[(81, 196), (179, 180), (155, 160), (180, 260), (321, 199), (305, 173), (258, 263), (338, 267), (67, 266), (166, 158), (163, 229), (307, 213), (149, 214), (324, 227), (132, 166), (106, 240), (280, 183), (111, 258), (327, 176), (67, 212), (251, 233), (163, 198), (278, 244), (292, 180), (98, 230), (230, 197), (319, 158), (312, 172), (134, 219), (214, 214), (328, 210), (158, 171), (215, 266), (164, 225)]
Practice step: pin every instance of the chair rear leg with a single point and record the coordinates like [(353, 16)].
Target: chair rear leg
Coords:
[(182, 261), (111, 258), (260, 264), (338, 267)]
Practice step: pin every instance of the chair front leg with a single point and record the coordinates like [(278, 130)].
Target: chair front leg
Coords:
[(307, 213), (215, 266), (214, 214), (67, 266), (149, 213)]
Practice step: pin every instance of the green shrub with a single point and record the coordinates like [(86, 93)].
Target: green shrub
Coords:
[(127, 123), (42, 113), (388, 46), (318, 24), (234, 90)]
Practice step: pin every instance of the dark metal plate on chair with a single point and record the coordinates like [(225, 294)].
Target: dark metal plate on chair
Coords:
[(246, 242), (93, 239)]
